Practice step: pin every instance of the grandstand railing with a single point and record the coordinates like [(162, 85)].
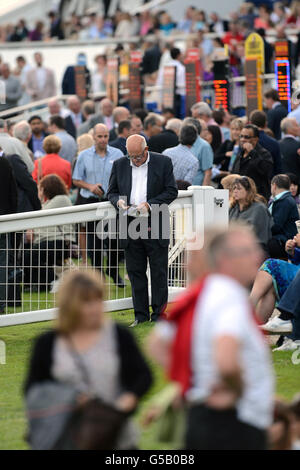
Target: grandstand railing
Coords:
[(33, 271)]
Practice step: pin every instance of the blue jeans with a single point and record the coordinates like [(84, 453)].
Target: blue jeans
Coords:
[(290, 302)]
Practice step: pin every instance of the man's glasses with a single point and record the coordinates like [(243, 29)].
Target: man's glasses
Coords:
[(136, 158), (246, 136)]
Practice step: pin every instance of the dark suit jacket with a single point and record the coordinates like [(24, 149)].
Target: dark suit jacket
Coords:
[(258, 165), (275, 117), (161, 185), (290, 158), (70, 127), (119, 143), (285, 214), (8, 188), (30, 141), (272, 146), (28, 199), (162, 141)]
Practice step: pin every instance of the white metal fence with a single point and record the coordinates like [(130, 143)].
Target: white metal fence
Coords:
[(36, 248)]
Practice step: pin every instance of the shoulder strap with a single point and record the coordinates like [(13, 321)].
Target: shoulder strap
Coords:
[(40, 170)]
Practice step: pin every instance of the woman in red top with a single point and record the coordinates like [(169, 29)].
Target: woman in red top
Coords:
[(52, 163)]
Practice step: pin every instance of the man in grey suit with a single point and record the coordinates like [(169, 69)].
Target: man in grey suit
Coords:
[(105, 116)]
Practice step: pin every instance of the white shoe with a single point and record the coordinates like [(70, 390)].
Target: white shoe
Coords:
[(288, 345), (276, 325)]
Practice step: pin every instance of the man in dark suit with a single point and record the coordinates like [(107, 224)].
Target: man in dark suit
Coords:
[(290, 146), (259, 119), (8, 205), (284, 211), (144, 183), (276, 112), (28, 199), (253, 160), (167, 138), (124, 131)]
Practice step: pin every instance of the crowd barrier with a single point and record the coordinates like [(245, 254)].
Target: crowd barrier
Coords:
[(33, 271)]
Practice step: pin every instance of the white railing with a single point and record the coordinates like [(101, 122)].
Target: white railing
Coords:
[(31, 272)]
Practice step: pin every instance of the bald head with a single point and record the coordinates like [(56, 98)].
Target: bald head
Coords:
[(101, 137), (137, 149)]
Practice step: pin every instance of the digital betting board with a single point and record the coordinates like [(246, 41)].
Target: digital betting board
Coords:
[(221, 84), (283, 82), (221, 94), (80, 82)]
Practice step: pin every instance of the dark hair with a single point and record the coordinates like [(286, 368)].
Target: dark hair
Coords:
[(282, 181), (216, 137), (52, 186), (58, 121), (258, 118), (254, 129), (168, 110), (175, 52), (218, 115), (188, 135), (124, 125), (141, 113), (249, 185), (273, 94), (294, 180), (194, 122), (32, 118)]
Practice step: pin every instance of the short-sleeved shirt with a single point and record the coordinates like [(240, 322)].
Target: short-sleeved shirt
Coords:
[(185, 164), (203, 151), (223, 309), (92, 168)]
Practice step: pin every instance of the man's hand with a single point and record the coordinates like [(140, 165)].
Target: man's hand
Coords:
[(297, 240), (228, 154), (143, 207), (95, 189), (248, 147), (290, 247), (122, 204)]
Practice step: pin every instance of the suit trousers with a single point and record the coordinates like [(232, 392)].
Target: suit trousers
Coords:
[(137, 253)]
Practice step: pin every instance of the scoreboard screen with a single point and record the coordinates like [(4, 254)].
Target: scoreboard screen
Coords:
[(221, 88), (283, 81)]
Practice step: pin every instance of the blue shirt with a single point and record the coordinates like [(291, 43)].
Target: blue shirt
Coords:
[(92, 168), (37, 146), (185, 164), (203, 151)]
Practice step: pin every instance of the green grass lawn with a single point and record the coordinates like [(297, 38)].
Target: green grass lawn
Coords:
[(18, 341)]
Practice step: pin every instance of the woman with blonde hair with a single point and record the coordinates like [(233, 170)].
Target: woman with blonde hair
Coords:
[(96, 358), (247, 205)]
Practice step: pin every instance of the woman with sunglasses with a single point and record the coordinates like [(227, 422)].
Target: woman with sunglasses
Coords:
[(249, 206)]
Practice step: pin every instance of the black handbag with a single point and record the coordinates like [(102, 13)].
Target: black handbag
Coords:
[(94, 424)]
